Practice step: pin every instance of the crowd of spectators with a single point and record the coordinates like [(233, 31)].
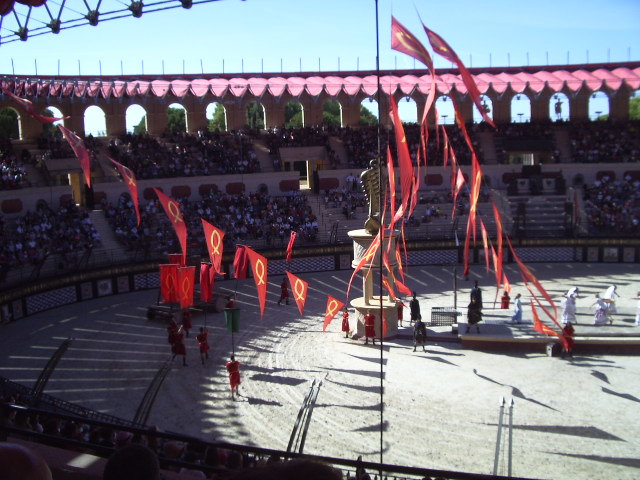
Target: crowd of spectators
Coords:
[(32, 237), (185, 155), (135, 451), (13, 173), (604, 141), (613, 206), (243, 217)]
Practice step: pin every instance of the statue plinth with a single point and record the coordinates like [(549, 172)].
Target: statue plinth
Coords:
[(368, 302)]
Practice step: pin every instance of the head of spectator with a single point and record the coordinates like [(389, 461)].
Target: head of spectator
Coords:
[(132, 462), (19, 463)]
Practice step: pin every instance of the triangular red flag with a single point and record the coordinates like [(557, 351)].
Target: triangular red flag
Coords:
[(81, 152), (259, 267), (215, 244), (404, 159), (240, 263), (132, 184), (333, 306), (299, 288), (485, 243), (172, 209), (366, 258), (404, 41), (27, 106)]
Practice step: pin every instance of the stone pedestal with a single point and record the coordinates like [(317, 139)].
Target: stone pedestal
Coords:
[(370, 270)]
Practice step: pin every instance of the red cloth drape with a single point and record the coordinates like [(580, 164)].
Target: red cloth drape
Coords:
[(333, 306), (299, 288), (172, 209)]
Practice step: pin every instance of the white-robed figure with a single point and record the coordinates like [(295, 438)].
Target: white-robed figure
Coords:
[(638, 311), (600, 314), (569, 309), (610, 297)]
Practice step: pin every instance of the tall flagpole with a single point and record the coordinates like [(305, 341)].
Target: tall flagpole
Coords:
[(380, 196)]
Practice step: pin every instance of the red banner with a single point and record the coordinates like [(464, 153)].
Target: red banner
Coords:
[(172, 209), (292, 239), (77, 145), (404, 41), (176, 258), (240, 263), (130, 178), (215, 244), (458, 186), (333, 307), (299, 288), (29, 109), (507, 285), (404, 159), (186, 279), (540, 327), (485, 244), (205, 282), (259, 269), (496, 216), (169, 283), (366, 258), (442, 48)]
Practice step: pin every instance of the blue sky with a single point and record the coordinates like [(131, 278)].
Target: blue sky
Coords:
[(257, 34)]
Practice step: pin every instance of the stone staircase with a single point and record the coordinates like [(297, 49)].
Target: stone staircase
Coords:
[(262, 153), (337, 145), (544, 216), (109, 244)]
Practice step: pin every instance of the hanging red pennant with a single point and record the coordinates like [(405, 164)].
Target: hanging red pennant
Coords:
[(498, 220), (458, 186), (333, 307), (540, 327), (292, 239), (169, 283), (485, 244), (215, 244), (28, 107), (299, 288), (442, 48), (186, 279), (205, 282), (404, 159), (81, 152), (176, 258), (402, 40), (260, 274), (366, 258), (507, 285), (132, 184), (172, 209)]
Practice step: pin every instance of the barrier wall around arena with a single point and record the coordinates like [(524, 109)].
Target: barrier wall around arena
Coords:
[(47, 294)]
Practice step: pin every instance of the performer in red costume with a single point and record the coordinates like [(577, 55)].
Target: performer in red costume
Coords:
[(345, 322), (203, 343), (178, 347), (233, 367), (505, 300), (567, 333), (400, 307), (186, 320), (231, 302), (369, 328), (172, 330), (284, 291)]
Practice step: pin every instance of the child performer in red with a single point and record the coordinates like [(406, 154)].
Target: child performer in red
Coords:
[(233, 367), (203, 343), (178, 347), (284, 291), (186, 320), (567, 333), (345, 322), (369, 328)]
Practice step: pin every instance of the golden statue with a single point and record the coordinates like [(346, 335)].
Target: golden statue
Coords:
[(374, 183)]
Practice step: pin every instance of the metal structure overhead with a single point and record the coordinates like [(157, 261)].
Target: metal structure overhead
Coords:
[(24, 19)]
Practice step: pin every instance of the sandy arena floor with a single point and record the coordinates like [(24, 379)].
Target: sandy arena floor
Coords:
[(572, 419)]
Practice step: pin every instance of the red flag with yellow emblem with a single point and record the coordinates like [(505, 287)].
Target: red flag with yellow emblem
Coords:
[(206, 285), (28, 107), (172, 209), (333, 306), (259, 269), (169, 283), (186, 278), (129, 177), (299, 288), (215, 244), (404, 41), (404, 159), (77, 145)]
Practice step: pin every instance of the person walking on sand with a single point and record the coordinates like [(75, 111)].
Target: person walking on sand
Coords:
[(345, 322), (517, 310), (233, 368), (400, 307), (414, 309), (505, 300), (610, 297), (600, 315), (419, 334), (474, 314), (569, 309), (284, 291), (567, 345), (369, 328), (477, 294), (203, 342), (178, 347)]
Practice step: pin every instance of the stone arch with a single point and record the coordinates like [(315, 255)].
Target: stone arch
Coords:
[(177, 118), (136, 119), (559, 107), (11, 123), (95, 122), (216, 114), (256, 116), (634, 105), (368, 111), (332, 113), (446, 112), (599, 105), (293, 114), (487, 103), (520, 108), (408, 110)]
